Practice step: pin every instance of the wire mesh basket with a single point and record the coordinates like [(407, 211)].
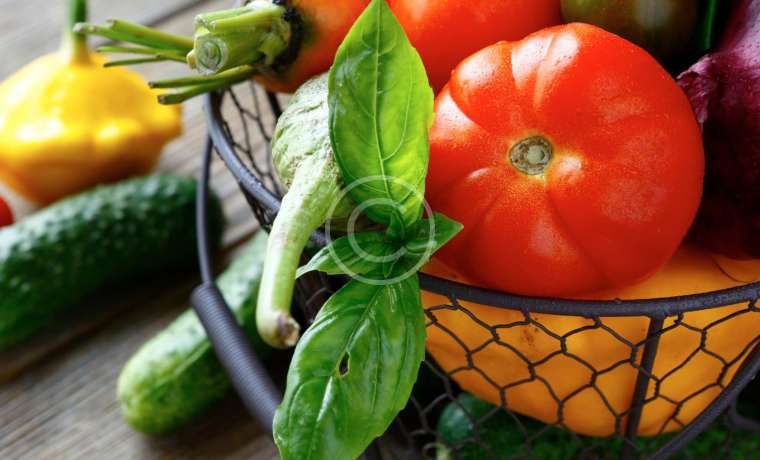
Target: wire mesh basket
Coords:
[(626, 370)]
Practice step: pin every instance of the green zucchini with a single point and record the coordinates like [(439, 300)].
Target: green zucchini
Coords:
[(175, 376), (54, 259)]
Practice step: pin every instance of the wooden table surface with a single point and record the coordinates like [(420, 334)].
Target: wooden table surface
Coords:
[(57, 395)]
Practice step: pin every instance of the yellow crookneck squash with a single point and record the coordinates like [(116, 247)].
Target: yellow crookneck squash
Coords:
[(67, 123), (690, 376)]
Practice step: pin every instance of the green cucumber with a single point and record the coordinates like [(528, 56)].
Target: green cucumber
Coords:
[(54, 259), (472, 429), (175, 376)]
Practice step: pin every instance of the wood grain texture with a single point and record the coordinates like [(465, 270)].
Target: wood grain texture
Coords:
[(182, 156), (59, 401)]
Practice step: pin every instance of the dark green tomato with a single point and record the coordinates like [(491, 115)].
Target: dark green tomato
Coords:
[(662, 27)]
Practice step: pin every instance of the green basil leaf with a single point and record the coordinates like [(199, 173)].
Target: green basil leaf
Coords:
[(429, 235), (352, 371), (355, 254), (389, 268), (381, 107), (424, 238)]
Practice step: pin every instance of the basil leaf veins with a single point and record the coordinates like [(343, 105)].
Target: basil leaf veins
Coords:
[(355, 254), (381, 107), (352, 372)]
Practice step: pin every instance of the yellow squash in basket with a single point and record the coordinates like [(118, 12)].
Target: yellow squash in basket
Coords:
[(67, 123), (579, 373)]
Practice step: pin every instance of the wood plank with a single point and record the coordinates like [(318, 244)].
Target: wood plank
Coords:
[(67, 405), (31, 28)]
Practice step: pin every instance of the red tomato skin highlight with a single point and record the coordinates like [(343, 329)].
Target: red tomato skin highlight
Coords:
[(447, 31), (617, 197)]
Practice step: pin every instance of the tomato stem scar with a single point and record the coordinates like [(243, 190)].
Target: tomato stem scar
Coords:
[(531, 155)]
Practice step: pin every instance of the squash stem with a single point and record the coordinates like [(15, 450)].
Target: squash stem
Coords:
[(304, 209), (74, 44), (257, 33)]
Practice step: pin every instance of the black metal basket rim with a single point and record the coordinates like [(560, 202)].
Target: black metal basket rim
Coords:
[(653, 308)]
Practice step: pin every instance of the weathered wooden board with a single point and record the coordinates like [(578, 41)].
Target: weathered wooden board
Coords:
[(30, 28), (61, 403)]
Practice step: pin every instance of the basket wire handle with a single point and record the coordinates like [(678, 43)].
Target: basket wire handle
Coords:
[(249, 377)]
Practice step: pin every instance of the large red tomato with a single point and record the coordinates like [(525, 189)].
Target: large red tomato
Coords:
[(447, 31), (571, 157)]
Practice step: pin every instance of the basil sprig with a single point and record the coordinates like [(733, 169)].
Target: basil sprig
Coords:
[(352, 372), (354, 368), (355, 254), (381, 107), (368, 252)]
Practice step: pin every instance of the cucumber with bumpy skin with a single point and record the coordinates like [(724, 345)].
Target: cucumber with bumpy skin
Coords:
[(175, 376), (52, 260)]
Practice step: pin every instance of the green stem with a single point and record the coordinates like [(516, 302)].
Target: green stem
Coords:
[(708, 24), (233, 40), (304, 209), (195, 86), (164, 55), (206, 19), (254, 34), (245, 18), (231, 76), (135, 61), (75, 44), (139, 35), (157, 38)]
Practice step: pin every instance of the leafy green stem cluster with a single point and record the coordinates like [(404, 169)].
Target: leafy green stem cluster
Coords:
[(228, 47)]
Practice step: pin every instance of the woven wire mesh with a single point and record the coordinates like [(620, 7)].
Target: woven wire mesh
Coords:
[(597, 374)]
